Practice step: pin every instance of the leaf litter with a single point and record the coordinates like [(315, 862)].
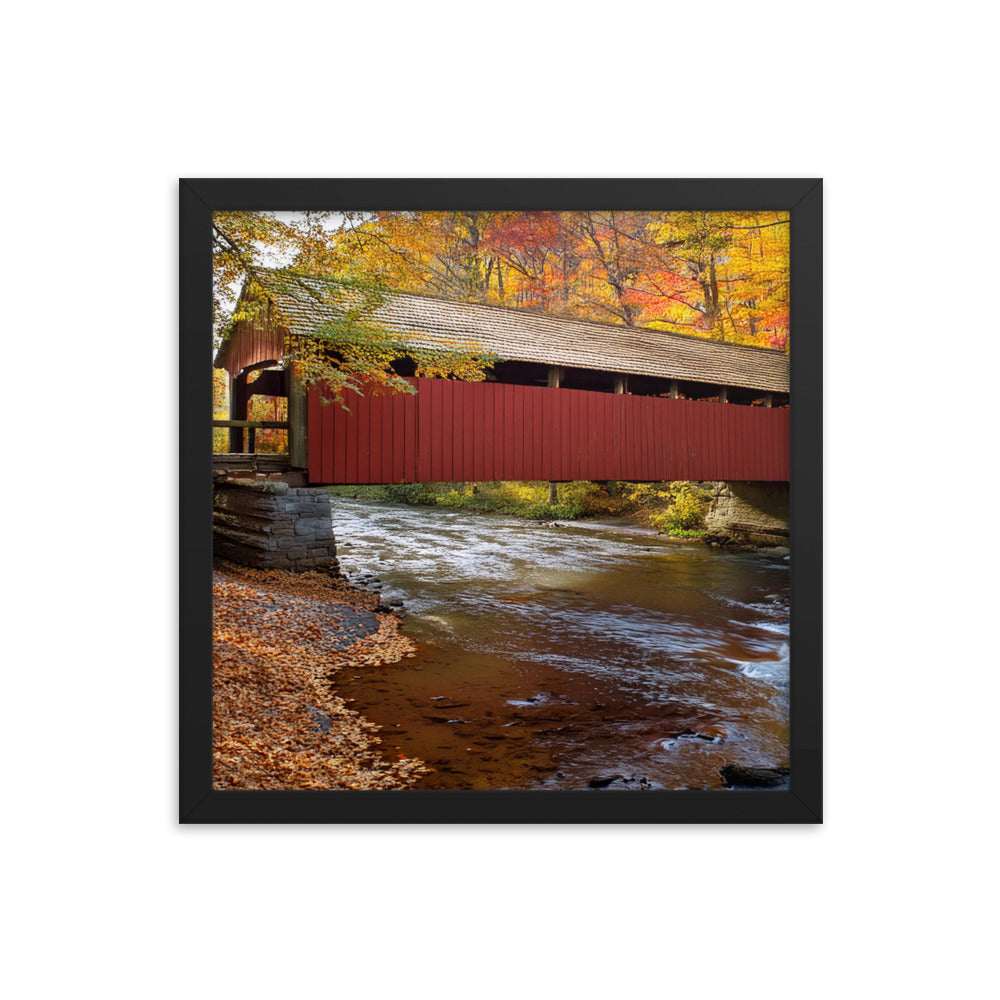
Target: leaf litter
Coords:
[(277, 722)]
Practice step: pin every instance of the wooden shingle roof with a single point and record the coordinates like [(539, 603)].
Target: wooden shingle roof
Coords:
[(425, 321)]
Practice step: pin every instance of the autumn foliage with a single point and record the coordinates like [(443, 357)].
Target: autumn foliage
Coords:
[(279, 640), (722, 275)]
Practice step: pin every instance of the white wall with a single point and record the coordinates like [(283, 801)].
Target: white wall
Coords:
[(108, 106)]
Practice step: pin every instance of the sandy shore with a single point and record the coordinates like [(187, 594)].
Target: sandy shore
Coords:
[(279, 639)]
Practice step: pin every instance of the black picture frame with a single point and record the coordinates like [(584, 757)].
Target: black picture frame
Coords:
[(800, 802)]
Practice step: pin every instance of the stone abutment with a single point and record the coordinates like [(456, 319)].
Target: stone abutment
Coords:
[(271, 525), (748, 514)]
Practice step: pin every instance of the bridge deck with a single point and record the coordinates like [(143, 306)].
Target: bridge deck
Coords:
[(250, 462)]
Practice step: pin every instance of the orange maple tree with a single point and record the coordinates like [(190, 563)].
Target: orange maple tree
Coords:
[(718, 274)]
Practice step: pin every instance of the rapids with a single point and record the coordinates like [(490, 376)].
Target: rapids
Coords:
[(557, 656)]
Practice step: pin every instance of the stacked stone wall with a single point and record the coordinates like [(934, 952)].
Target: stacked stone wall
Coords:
[(271, 525), (748, 514)]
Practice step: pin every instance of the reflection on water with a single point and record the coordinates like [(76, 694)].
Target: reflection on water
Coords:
[(554, 656)]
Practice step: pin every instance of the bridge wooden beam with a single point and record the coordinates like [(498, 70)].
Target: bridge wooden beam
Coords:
[(723, 394), (238, 397), (621, 385), (674, 389), (556, 375), (263, 424), (298, 444)]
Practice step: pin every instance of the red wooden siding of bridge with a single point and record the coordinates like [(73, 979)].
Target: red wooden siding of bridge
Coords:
[(486, 431)]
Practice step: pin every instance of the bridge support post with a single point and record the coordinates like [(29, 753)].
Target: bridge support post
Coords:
[(556, 375), (298, 453), (271, 525), (238, 398)]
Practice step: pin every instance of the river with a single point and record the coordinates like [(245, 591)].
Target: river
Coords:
[(557, 656)]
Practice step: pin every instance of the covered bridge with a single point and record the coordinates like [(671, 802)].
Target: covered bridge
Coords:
[(569, 399)]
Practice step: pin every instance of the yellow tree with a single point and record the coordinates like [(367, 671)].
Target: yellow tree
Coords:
[(350, 352), (444, 253), (716, 274), (755, 277), (735, 266)]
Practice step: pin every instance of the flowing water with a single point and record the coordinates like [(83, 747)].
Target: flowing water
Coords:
[(554, 656)]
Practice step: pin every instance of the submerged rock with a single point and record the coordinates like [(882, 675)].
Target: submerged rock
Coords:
[(711, 734), (734, 776), (603, 782)]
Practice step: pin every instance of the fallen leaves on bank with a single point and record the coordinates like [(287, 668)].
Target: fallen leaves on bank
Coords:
[(277, 721)]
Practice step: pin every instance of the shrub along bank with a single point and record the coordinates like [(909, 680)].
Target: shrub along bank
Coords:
[(676, 509)]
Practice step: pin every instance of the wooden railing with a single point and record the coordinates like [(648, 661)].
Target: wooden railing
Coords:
[(263, 424), (249, 439)]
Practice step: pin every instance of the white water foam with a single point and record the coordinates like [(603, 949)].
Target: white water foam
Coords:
[(772, 671)]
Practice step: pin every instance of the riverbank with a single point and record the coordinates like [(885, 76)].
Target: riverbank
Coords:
[(674, 509), (279, 640)]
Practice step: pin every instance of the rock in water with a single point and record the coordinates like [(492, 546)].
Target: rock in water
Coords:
[(603, 782), (753, 777)]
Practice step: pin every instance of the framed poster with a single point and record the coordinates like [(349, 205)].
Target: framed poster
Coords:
[(485, 496)]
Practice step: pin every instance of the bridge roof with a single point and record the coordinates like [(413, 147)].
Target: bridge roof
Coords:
[(428, 322)]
